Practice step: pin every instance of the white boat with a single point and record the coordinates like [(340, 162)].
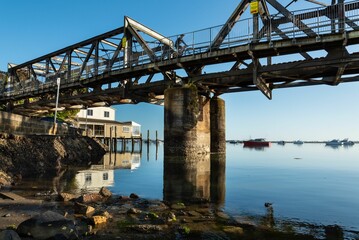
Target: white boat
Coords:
[(334, 142), (299, 142)]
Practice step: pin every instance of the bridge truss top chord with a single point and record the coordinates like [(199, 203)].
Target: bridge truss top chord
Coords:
[(135, 64)]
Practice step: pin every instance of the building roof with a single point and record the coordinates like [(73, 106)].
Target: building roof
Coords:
[(110, 107), (92, 120), (131, 123)]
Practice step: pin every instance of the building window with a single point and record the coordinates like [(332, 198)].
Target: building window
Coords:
[(107, 114), (136, 130), (126, 129), (105, 176), (88, 178), (99, 130), (89, 112)]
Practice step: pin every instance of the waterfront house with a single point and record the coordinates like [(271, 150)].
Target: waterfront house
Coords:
[(100, 122)]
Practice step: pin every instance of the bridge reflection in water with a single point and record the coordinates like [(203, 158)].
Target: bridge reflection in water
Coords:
[(197, 179), (186, 178), (240, 185), (189, 179)]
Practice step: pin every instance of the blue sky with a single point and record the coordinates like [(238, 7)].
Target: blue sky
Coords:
[(30, 29)]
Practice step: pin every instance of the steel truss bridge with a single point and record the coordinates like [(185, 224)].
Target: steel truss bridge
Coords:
[(134, 63)]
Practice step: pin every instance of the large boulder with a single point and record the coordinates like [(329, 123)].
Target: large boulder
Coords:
[(48, 225), (105, 192), (5, 179), (66, 197), (91, 198), (9, 235), (83, 209)]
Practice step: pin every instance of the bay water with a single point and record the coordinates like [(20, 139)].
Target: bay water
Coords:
[(309, 186)]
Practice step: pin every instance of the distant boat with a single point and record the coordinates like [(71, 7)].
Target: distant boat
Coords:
[(334, 142), (258, 142), (346, 142), (299, 142), (281, 142)]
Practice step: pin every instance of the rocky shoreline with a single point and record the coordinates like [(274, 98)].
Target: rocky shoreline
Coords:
[(34, 155), (105, 216)]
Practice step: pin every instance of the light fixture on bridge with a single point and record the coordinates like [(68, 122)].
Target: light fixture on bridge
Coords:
[(79, 106), (99, 104), (160, 97), (39, 112), (57, 109), (125, 100)]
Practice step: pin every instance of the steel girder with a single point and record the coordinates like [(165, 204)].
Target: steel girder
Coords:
[(133, 55)]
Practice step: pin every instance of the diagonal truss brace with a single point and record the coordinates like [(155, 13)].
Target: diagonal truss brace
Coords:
[(337, 53), (258, 81), (229, 24), (302, 26), (134, 27)]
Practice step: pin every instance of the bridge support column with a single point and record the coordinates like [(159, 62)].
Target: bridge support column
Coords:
[(218, 179), (218, 125), (186, 122)]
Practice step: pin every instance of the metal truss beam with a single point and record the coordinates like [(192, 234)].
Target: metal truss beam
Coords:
[(109, 59), (317, 2), (296, 21), (74, 46), (227, 27)]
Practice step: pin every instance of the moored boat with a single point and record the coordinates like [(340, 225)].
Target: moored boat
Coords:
[(299, 142), (334, 142), (258, 142), (346, 142)]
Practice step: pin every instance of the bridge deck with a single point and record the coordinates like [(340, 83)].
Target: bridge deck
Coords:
[(107, 69)]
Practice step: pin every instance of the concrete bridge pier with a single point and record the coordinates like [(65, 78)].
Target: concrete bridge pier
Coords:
[(193, 124), (218, 125), (186, 122)]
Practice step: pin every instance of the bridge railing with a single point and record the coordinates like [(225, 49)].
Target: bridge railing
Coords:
[(303, 23), (312, 22)]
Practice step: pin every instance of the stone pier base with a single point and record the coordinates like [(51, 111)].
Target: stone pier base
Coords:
[(186, 122)]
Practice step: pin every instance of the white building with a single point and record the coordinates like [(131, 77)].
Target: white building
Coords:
[(98, 113), (94, 179), (100, 122)]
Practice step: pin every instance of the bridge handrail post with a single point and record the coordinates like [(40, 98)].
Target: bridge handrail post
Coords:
[(318, 24), (293, 26), (210, 39), (193, 43), (271, 29), (248, 32), (228, 37)]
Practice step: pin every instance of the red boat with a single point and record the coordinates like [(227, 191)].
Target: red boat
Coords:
[(258, 142)]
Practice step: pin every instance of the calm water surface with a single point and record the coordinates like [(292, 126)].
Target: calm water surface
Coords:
[(310, 184)]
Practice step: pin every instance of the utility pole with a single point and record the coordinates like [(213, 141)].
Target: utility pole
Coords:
[(58, 80)]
